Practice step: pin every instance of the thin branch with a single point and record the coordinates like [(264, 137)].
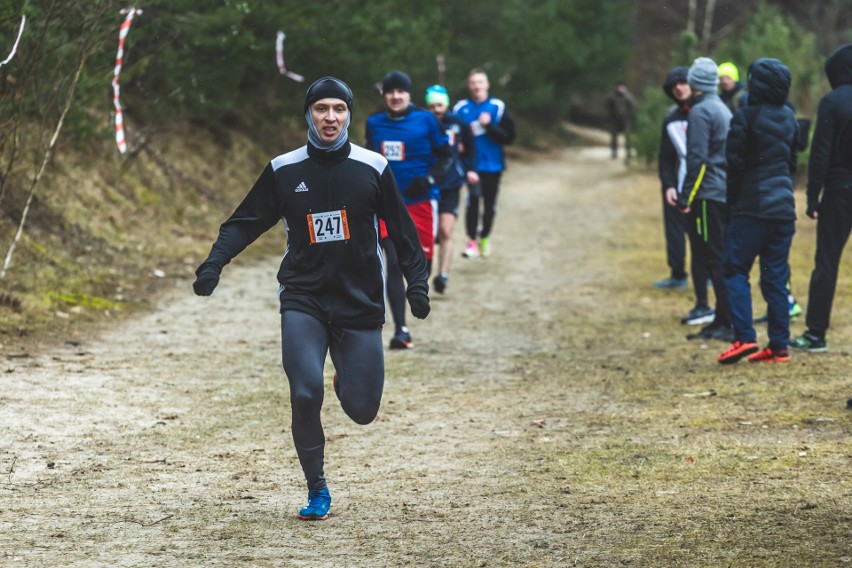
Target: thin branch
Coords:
[(46, 159)]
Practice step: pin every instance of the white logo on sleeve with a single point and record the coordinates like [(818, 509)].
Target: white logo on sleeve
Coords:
[(301, 187)]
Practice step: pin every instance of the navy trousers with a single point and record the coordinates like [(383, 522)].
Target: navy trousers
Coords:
[(746, 239)]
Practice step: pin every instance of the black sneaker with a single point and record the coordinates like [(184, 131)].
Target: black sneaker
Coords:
[(811, 342), (402, 340), (671, 283), (699, 315), (715, 331), (440, 283)]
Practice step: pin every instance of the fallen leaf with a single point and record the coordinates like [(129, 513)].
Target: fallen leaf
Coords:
[(710, 392)]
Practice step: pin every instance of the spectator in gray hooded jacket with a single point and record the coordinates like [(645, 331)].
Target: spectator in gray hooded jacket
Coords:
[(705, 187)]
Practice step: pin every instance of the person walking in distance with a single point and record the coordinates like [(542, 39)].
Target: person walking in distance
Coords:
[(761, 153), (829, 195), (330, 195), (621, 109), (463, 170), (415, 146), (705, 186), (493, 128)]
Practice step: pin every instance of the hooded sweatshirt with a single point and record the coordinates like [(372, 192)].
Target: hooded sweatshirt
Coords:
[(706, 134), (672, 154), (827, 169), (761, 147)]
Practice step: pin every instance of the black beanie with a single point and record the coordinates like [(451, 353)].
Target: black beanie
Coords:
[(328, 87), (675, 76), (396, 80)]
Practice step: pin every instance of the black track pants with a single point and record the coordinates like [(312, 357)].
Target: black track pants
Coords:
[(489, 185), (707, 224), (358, 359), (395, 285), (674, 223), (833, 227)]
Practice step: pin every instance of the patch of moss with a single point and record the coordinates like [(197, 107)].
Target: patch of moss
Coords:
[(83, 300)]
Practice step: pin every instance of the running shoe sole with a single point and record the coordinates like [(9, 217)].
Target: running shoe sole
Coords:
[(699, 320), (771, 357), (314, 517), (734, 355), (804, 344), (396, 343)]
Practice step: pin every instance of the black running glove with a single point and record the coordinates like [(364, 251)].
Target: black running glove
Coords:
[(207, 277), (419, 188), (419, 302), (813, 207)]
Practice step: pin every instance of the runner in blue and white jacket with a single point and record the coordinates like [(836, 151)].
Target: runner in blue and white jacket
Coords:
[(493, 128)]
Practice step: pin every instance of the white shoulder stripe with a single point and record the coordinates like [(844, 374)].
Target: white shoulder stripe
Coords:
[(501, 108), (294, 157), (460, 104), (372, 159)]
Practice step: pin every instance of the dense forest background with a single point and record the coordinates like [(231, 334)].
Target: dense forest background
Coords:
[(200, 89)]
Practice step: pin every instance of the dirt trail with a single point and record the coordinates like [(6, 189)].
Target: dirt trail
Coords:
[(165, 440)]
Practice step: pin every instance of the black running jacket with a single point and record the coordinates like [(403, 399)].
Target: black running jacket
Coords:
[(330, 204)]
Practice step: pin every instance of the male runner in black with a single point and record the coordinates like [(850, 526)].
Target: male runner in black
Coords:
[(330, 195)]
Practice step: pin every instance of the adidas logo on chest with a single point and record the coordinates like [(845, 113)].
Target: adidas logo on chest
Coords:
[(301, 187)]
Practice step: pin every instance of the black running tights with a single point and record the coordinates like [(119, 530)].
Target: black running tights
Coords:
[(358, 359), (489, 183)]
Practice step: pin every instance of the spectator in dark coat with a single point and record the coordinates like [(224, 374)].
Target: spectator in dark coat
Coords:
[(829, 194), (761, 155)]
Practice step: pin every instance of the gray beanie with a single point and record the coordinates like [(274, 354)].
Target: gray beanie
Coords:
[(703, 75)]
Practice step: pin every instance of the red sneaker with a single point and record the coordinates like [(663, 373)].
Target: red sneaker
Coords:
[(737, 351), (770, 356)]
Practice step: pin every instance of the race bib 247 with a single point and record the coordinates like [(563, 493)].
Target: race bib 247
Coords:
[(328, 226)]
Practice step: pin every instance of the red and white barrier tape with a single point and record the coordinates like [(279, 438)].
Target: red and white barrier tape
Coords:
[(119, 119), (15, 47), (279, 57)]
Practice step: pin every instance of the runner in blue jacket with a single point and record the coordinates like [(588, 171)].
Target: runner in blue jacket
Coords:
[(417, 150), (493, 128)]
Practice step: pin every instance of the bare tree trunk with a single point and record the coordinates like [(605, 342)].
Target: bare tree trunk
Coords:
[(692, 10), (46, 159), (709, 8)]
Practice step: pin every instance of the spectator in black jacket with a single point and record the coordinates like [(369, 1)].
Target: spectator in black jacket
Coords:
[(829, 195), (672, 169), (761, 156)]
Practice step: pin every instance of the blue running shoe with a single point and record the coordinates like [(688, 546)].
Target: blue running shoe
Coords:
[(319, 502)]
